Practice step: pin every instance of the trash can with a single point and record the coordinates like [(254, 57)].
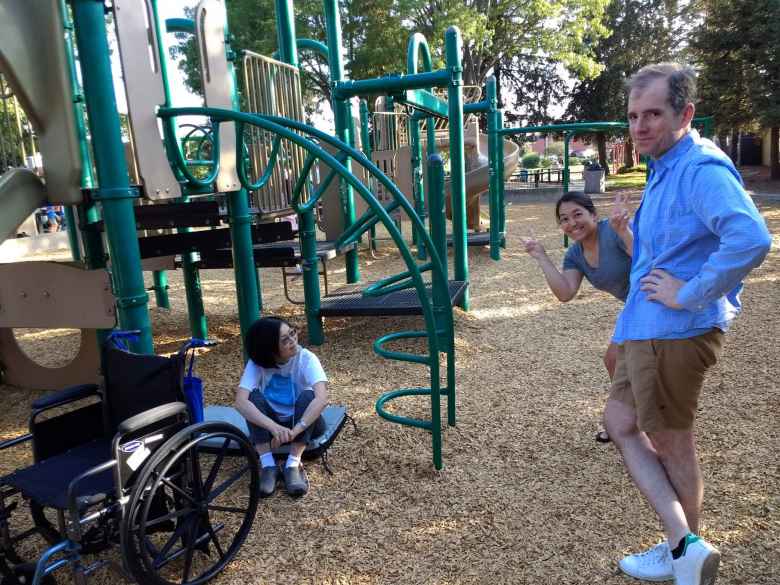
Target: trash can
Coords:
[(595, 179)]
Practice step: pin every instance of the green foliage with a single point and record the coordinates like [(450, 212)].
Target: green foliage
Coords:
[(635, 169), (525, 40), (628, 180), (642, 32), (531, 160)]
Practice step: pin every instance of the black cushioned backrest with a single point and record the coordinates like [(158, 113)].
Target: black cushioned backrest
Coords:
[(135, 383)]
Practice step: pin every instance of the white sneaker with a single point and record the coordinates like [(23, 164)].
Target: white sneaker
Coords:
[(654, 564), (698, 564)]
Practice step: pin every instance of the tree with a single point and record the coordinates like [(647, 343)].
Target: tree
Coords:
[(737, 48), (643, 31), (509, 33)]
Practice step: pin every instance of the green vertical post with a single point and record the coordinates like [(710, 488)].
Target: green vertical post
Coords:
[(115, 195), (566, 138), (418, 187), (494, 156), (501, 195), (247, 285), (342, 112), (87, 180), (453, 50), (285, 31), (160, 278), (365, 140), (191, 275), (308, 235)]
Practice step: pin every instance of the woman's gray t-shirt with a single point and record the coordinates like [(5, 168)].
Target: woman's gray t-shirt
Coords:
[(612, 273)]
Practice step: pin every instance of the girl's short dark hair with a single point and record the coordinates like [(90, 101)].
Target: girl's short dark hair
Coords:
[(262, 341), (578, 198)]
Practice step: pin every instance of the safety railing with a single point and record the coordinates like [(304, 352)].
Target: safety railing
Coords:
[(274, 88), (433, 294)]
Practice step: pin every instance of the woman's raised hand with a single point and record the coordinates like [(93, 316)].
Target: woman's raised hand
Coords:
[(620, 217), (533, 247)]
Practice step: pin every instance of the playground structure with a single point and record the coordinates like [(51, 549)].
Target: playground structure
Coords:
[(260, 165)]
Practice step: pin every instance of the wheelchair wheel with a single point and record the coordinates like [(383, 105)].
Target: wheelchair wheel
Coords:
[(192, 506)]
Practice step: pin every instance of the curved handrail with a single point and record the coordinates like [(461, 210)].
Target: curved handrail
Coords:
[(177, 158), (266, 176), (282, 127), (418, 44)]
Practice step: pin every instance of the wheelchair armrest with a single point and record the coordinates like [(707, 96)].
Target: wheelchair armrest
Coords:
[(148, 417), (64, 396)]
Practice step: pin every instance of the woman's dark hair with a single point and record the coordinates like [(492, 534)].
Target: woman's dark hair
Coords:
[(578, 198), (262, 341)]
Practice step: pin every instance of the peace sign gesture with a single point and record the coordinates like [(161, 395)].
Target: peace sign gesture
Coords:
[(620, 216)]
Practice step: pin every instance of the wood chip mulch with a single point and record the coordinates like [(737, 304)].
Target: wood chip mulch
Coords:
[(526, 495)]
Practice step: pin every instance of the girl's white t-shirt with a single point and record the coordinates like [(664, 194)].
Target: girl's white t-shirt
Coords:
[(281, 386)]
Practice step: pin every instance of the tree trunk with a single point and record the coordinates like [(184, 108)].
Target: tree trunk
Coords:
[(774, 148), (601, 145), (628, 154), (734, 150)]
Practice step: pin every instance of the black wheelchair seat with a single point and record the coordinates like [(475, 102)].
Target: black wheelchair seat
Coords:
[(47, 482)]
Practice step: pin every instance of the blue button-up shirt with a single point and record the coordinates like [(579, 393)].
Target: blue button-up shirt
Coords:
[(697, 223)]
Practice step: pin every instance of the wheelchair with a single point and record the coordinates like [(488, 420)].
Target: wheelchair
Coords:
[(119, 465)]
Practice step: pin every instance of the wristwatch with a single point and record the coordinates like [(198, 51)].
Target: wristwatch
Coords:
[(301, 423)]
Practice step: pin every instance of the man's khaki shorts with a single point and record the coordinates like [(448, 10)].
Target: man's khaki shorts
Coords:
[(662, 378)]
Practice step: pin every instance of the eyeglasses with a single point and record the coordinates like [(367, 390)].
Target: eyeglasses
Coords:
[(290, 338)]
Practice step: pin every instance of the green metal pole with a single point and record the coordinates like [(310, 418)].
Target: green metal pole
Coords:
[(566, 138), (307, 231), (453, 50), (247, 279), (365, 139), (501, 196), (342, 111), (191, 275), (285, 31), (160, 278), (494, 155), (87, 180), (418, 187), (115, 195), (308, 236)]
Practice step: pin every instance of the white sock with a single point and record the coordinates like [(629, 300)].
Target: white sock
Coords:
[(267, 460), (293, 461)]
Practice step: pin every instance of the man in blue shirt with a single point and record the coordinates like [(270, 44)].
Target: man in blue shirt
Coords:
[(697, 235)]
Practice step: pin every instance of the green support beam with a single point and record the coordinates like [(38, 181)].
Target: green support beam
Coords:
[(114, 192)]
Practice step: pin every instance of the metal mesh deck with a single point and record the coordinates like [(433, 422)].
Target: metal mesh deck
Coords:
[(349, 301), (476, 239)]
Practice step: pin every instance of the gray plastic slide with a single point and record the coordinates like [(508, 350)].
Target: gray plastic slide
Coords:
[(21, 193)]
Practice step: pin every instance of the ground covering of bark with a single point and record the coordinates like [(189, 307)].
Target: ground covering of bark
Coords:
[(526, 494)]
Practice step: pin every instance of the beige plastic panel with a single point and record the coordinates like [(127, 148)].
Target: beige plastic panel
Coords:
[(21, 193), (21, 371), (33, 59), (145, 92), (55, 295), (210, 26)]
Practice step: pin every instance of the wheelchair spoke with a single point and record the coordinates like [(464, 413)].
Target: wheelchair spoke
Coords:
[(215, 540), (215, 468), (179, 491), (168, 517), (190, 549), (161, 556), (213, 495)]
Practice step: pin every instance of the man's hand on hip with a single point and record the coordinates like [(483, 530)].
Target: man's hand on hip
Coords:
[(662, 287)]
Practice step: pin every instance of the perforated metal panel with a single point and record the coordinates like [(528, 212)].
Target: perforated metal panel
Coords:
[(273, 87)]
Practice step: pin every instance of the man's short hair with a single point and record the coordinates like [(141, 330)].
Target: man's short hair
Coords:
[(681, 79)]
